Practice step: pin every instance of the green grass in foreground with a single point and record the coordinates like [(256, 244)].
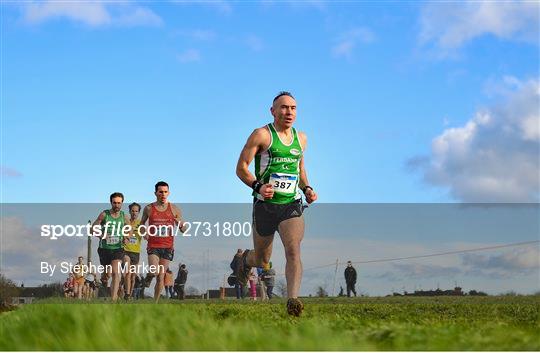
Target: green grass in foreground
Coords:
[(493, 323)]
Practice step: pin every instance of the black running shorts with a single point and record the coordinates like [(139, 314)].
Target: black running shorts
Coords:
[(162, 253), (106, 256), (267, 216), (133, 257)]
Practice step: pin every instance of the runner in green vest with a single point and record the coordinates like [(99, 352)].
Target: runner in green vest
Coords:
[(110, 250), (280, 175)]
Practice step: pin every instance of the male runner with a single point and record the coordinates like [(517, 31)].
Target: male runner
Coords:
[(68, 286), (132, 249), (162, 217), (110, 248), (78, 272), (278, 150)]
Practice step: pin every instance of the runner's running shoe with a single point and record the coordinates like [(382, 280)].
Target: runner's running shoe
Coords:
[(294, 307)]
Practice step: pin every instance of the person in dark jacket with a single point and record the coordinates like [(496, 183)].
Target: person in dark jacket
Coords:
[(350, 278), (180, 282), (235, 264), (137, 287), (269, 275)]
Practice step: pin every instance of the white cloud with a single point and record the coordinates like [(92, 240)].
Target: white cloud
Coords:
[(15, 235), (515, 260), (347, 41), (189, 55), (495, 156), (93, 14), (504, 265), (418, 271), (23, 249), (138, 16), (448, 26), (90, 13)]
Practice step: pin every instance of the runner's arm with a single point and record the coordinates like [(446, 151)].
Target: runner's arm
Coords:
[(144, 218), (178, 217), (258, 140), (310, 194), (98, 221)]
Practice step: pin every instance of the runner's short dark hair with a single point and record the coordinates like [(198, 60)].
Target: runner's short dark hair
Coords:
[(161, 183), (283, 93), (133, 205), (116, 194)]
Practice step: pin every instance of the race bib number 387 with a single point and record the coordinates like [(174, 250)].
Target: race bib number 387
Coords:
[(284, 183), (112, 240)]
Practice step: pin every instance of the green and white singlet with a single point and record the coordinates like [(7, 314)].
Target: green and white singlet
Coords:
[(279, 165), (113, 240)]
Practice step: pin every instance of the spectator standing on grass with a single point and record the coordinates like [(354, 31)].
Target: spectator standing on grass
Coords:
[(137, 286), (350, 278), (253, 284), (168, 281), (180, 282), (269, 276), (142, 287), (235, 264)]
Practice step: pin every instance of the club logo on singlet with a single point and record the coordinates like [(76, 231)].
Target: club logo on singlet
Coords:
[(295, 152)]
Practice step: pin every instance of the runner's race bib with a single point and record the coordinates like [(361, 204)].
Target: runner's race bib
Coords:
[(283, 183), (114, 236), (132, 240), (112, 240)]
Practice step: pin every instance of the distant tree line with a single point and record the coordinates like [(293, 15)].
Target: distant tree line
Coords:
[(9, 290)]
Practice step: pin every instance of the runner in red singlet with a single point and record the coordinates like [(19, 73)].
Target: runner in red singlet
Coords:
[(163, 219)]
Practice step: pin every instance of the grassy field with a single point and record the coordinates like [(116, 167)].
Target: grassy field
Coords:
[(443, 323)]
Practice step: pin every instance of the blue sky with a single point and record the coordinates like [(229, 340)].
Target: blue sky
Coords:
[(92, 91), (413, 102)]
